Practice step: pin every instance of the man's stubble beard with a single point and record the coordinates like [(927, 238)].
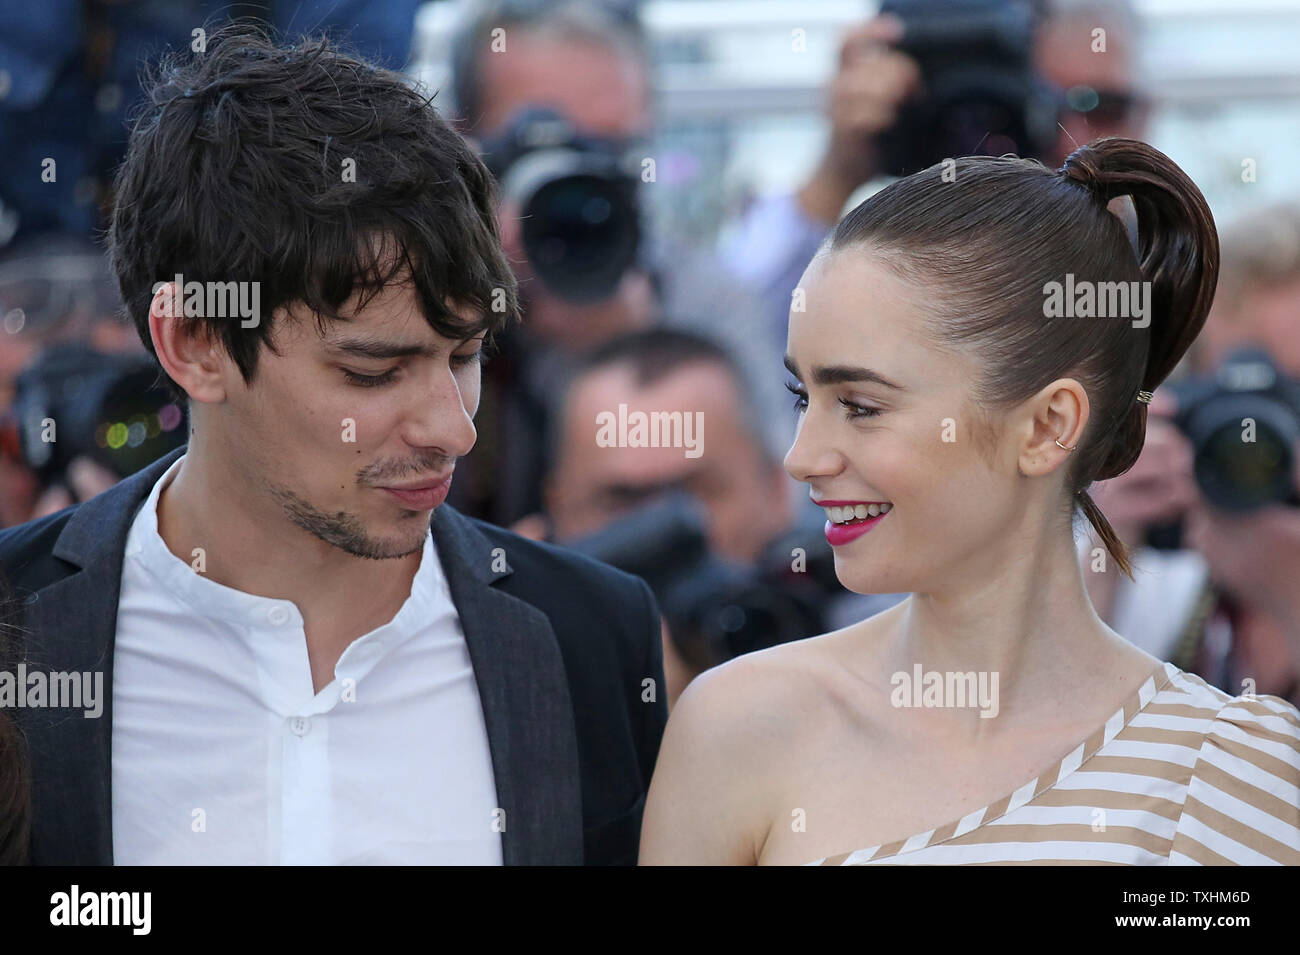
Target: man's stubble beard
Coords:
[(341, 529)]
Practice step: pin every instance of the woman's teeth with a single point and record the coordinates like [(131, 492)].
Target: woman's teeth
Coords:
[(859, 512)]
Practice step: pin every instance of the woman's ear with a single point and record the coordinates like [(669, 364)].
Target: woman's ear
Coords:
[(186, 349), (1056, 419)]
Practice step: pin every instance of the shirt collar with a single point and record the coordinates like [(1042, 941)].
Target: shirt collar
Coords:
[(146, 549)]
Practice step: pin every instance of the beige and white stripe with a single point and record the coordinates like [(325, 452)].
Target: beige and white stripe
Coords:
[(1182, 774)]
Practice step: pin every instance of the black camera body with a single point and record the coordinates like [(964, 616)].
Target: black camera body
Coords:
[(581, 219), (982, 96), (1243, 422), (715, 610), (73, 401)]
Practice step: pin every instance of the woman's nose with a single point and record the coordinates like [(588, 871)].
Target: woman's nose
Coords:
[(811, 455)]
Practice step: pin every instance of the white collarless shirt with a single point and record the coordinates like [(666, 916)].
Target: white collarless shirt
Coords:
[(224, 755)]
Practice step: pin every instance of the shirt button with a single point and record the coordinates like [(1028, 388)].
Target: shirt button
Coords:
[(300, 725), (278, 616)]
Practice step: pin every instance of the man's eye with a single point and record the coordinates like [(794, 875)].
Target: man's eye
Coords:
[(369, 381), (468, 358)]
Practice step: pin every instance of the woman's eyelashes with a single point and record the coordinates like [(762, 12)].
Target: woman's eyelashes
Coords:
[(373, 381), (800, 396), (853, 410)]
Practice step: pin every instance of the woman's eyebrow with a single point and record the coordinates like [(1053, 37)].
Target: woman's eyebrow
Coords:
[(841, 374)]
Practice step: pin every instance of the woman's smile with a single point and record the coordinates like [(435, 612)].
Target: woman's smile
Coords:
[(848, 520)]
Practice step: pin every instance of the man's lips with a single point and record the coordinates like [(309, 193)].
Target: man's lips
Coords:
[(424, 496)]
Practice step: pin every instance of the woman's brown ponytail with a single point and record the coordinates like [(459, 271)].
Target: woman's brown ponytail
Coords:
[(1178, 254)]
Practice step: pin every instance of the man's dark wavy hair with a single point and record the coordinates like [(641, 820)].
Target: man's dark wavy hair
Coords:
[(235, 172)]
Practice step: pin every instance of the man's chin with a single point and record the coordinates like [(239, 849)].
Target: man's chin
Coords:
[(383, 548), (394, 542), (390, 538)]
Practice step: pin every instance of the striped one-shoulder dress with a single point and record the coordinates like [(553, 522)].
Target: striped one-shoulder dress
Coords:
[(1182, 774)]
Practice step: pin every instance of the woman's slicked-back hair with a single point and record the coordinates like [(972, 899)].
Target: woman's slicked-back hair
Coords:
[(312, 173), (987, 235)]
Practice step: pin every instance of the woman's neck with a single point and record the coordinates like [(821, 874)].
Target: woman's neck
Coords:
[(1030, 623)]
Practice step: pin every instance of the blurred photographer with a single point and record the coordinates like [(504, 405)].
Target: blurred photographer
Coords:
[(705, 520), (555, 96), (931, 79), (558, 98), (76, 390), (1219, 477), (1253, 548)]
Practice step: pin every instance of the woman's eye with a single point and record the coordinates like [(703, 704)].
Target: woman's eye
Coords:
[(853, 410), (859, 411), (369, 381)]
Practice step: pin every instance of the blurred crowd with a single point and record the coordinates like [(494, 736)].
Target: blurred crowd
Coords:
[(616, 317)]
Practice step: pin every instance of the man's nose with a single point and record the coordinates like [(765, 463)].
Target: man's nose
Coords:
[(442, 419)]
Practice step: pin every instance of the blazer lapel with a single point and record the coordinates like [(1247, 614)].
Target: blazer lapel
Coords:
[(525, 696), (71, 626)]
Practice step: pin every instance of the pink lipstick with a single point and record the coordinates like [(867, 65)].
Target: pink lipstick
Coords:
[(843, 533)]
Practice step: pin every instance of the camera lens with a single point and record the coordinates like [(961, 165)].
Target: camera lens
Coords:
[(580, 234), (1244, 458)]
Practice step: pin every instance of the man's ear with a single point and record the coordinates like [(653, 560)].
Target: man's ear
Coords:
[(188, 352), (1058, 413)]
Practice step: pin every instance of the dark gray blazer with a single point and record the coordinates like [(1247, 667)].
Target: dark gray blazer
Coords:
[(560, 644)]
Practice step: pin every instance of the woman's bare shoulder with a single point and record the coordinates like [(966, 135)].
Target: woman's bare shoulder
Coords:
[(790, 679), (767, 686), (731, 742), (710, 797)]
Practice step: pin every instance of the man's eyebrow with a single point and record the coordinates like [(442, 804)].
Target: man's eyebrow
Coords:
[(842, 374), (381, 349)]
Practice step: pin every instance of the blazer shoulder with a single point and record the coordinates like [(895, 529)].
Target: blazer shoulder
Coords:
[(27, 550)]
